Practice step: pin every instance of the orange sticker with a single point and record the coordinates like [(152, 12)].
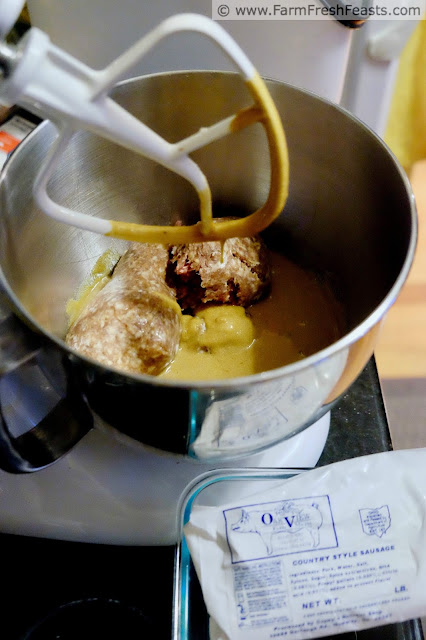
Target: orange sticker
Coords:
[(7, 142)]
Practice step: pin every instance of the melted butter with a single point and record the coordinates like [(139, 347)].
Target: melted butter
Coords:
[(98, 278), (297, 319)]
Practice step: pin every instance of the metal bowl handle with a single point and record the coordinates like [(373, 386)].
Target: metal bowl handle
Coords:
[(60, 430)]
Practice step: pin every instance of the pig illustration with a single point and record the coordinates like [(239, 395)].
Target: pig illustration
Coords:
[(286, 517)]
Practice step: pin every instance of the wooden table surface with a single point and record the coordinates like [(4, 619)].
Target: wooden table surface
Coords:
[(401, 351)]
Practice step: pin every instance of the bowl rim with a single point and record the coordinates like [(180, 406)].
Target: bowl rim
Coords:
[(243, 381)]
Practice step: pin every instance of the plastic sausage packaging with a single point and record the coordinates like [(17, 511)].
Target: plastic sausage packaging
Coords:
[(336, 549)]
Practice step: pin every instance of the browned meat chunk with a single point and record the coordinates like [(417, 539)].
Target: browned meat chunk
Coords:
[(203, 273), (133, 323)]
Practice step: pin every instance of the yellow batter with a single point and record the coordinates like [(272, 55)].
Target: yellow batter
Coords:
[(299, 318)]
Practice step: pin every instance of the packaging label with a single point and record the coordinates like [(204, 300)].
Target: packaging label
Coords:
[(8, 142), (12, 132), (282, 527), (336, 549)]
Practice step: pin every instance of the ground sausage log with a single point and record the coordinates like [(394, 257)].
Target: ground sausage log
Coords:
[(237, 273), (133, 323)]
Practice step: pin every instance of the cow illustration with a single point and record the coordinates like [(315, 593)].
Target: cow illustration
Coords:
[(286, 517)]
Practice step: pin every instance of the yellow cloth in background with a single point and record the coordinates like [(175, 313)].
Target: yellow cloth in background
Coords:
[(406, 127)]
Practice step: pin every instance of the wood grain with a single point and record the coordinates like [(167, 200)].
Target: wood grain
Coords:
[(401, 349)]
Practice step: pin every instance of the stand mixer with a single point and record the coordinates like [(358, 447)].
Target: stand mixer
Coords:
[(110, 488), (135, 488)]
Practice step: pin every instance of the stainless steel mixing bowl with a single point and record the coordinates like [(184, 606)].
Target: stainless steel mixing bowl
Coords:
[(350, 214)]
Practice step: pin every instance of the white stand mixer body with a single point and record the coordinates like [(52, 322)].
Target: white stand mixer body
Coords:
[(116, 491), (119, 492)]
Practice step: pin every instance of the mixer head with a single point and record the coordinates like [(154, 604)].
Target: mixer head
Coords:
[(46, 80)]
